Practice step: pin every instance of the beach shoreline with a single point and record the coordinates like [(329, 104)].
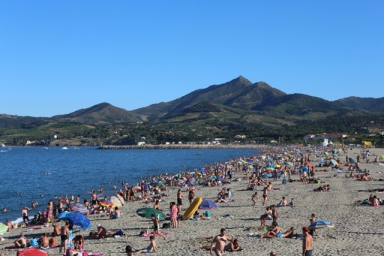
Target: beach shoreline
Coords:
[(358, 229)]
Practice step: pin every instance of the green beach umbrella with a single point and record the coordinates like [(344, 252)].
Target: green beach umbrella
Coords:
[(382, 157), (147, 213), (3, 228)]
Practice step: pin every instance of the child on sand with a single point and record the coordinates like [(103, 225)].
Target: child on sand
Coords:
[(254, 199)]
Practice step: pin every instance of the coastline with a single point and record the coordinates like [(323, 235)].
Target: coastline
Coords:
[(358, 229)]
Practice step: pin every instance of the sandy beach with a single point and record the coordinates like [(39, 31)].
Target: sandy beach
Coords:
[(358, 228)]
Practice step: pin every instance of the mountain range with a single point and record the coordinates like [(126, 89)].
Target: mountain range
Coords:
[(228, 100)]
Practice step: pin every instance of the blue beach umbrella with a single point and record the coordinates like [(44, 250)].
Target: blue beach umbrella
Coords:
[(351, 160), (289, 163), (206, 204), (76, 219), (321, 224)]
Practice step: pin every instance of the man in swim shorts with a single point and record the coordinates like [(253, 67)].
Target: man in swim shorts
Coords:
[(307, 242), (44, 241), (64, 237)]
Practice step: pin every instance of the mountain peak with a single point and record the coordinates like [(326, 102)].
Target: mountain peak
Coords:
[(241, 81)]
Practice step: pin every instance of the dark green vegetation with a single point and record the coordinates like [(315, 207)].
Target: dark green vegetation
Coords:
[(239, 107)]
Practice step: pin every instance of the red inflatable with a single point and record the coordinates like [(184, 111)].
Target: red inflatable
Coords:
[(31, 252)]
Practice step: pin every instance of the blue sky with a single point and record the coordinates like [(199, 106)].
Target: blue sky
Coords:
[(59, 56)]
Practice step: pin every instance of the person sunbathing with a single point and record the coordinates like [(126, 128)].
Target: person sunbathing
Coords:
[(275, 232), (233, 246), (283, 202)]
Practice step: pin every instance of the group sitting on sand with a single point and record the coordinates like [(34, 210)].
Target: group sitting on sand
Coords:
[(219, 244)]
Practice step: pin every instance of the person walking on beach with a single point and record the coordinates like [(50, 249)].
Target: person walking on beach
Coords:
[(24, 214), (307, 242)]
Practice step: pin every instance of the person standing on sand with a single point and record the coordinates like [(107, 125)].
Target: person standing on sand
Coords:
[(64, 237), (254, 199), (180, 197), (265, 195), (307, 242), (24, 214), (191, 193)]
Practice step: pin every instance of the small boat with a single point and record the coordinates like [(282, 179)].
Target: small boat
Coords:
[(45, 147), (2, 145), (64, 148)]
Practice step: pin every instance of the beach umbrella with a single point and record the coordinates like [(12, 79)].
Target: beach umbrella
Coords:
[(106, 203), (3, 228), (277, 166), (270, 169), (325, 153), (31, 252), (77, 207), (289, 163), (161, 184), (76, 219), (351, 160), (206, 204), (334, 162), (147, 213), (321, 224), (155, 183), (309, 165)]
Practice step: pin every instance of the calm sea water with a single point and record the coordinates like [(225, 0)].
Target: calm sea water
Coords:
[(24, 171)]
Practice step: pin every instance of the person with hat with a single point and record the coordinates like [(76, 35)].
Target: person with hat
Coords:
[(307, 242)]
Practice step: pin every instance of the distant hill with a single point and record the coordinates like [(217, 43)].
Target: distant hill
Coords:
[(299, 105), (240, 93), (11, 121), (370, 104), (103, 113)]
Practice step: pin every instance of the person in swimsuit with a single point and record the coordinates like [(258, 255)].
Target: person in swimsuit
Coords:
[(218, 243), (174, 215), (265, 195), (231, 247), (254, 199), (44, 241), (191, 193), (156, 226), (24, 214), (21, 242), (307, 242), (179, 197), (64, 237), (151, 247), (53, 241)]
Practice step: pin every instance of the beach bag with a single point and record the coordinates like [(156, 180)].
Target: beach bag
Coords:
[(207, 214), (166, 225), (284, 181)]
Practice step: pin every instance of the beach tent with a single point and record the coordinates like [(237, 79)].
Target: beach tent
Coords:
[(31, 252)]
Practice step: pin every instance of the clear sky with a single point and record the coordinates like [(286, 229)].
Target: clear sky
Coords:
[(59, 56)]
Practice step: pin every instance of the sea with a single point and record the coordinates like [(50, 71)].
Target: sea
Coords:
[(41, 174)]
